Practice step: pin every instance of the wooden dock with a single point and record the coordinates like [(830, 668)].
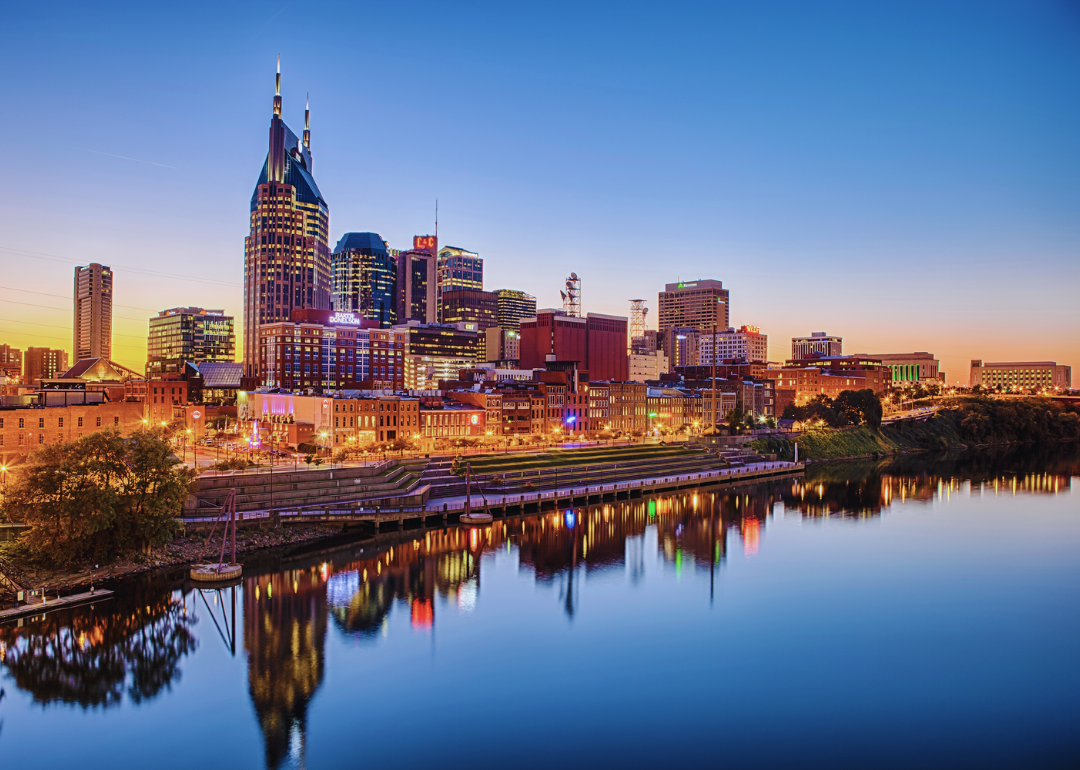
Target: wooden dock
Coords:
[(40, 608)]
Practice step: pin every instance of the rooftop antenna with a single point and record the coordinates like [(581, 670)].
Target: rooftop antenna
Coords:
[(436, 220), (277, 89), (307, 125)]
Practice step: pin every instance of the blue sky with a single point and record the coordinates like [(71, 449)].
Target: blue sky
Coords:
[(906, 175)]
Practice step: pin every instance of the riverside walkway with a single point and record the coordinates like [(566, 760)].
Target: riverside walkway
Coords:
[(449, 509)]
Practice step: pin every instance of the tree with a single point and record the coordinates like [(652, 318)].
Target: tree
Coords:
[(99, 497), (735, 419)]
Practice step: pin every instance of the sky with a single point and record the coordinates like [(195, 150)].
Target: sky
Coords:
[(904, 175)]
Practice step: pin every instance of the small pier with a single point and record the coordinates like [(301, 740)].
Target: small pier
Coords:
[(41, 607)]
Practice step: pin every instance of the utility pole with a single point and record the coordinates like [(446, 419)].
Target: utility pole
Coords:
[(714, 377)]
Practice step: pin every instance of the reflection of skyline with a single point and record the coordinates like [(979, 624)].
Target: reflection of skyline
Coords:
[(284, 636), (865, 489), (132, 647)]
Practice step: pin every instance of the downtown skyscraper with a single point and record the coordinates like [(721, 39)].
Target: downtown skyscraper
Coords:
[(287, 254)]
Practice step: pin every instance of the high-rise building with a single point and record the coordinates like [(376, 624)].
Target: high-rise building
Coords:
[(513, 306), (746, 343), (287, 253), (93, 312), (43, 364), (365, 278), (417, 298), (702, 305), (11, 362), (469, 306), (188, 334), (817, 344), (460, 269)]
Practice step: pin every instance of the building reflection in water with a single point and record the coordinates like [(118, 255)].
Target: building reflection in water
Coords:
[(133, 646), (284, 636), (865, 489)]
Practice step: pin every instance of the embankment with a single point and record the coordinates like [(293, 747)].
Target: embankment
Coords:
[(960, 423)]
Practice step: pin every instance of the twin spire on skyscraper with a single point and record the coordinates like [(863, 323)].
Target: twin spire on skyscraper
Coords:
[(278, 133)]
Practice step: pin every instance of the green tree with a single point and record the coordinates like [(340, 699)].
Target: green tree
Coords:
[(735, 420), (99, 497)]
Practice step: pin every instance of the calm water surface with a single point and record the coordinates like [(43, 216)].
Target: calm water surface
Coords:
[(914, 613)]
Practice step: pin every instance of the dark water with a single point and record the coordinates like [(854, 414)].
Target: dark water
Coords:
[(923, 612)]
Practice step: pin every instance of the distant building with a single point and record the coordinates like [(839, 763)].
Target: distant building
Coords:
[(417, 281), (502, 345), (682, 345), (459, 269), (647, 366), (469, 306), (910, 367), (1022, 375), (93, 311), (817, 344), (11, 362), (606, 344), (364, 278), (43, 364), (188, 334), (746, 343), (701, 305), (513, 305)]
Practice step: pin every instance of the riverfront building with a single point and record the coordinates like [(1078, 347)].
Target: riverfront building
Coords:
[(48, 418), (1022, 375), (188, 334), (93, 295), (287, 253)]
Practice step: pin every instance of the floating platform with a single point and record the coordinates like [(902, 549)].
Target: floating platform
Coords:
[(40, 608), (476, 518), (211, 573)]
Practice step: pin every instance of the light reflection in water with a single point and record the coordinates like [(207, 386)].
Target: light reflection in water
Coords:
[(132, 647)]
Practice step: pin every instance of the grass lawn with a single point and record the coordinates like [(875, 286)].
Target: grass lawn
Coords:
[(559, 458)]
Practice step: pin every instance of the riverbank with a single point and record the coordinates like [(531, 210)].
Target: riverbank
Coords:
[(182, 550), (960, 424)]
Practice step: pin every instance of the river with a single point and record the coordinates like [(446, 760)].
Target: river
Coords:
[(914, 612)]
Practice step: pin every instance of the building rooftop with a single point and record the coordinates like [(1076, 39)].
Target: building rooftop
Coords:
[(367, 243)]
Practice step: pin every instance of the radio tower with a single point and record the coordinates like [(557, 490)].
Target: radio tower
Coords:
[(637, 322), (571, 298)]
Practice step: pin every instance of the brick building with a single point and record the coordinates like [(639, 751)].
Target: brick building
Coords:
[(25, 428)]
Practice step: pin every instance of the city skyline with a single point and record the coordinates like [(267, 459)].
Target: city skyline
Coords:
[(944, 219)]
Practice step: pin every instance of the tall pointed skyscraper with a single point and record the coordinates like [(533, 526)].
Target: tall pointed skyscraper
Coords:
[(287, 254)]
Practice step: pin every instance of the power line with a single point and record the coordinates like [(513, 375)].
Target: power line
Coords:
[(63, 296), (68, 339), (69, 260), (64, 309), (56, 326)]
